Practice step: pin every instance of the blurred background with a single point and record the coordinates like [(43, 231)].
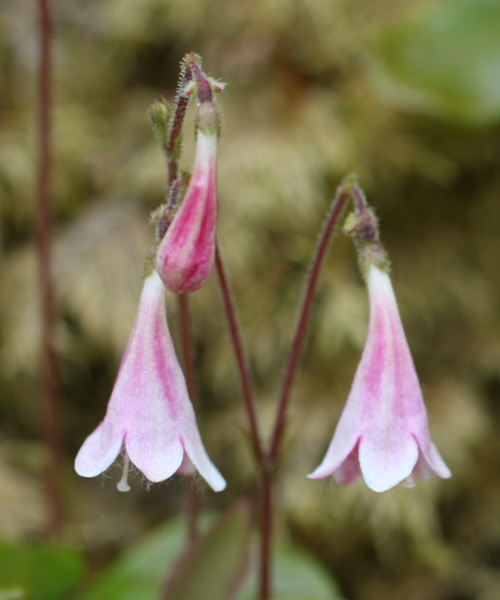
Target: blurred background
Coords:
[(404, 93)]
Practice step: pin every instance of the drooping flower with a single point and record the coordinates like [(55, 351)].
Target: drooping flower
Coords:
[(186, 253), (383, 432), (149, 414)]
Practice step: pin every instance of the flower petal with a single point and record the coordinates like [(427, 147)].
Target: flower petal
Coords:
[(156, 452), (387, 458), (343, 444), (435, 462), (349, 470), (197, 453), (99, 450)]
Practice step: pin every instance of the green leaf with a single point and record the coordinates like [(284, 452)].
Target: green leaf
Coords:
[(296, 576), (210, 569), (140, 573), (445, 61), (38, 572), (213, 567)]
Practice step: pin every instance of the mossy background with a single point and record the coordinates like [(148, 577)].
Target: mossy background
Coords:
[(404, 93)]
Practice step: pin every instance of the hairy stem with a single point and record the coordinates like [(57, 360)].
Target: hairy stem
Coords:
[(332, 220), (49, 389), (190, 63)]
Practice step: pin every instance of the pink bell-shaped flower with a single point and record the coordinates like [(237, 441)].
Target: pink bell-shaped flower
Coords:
[(383, 431), (149, 413), (185, 256)]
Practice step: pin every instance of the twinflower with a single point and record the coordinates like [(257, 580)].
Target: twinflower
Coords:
[(149, 415), (383, 432)]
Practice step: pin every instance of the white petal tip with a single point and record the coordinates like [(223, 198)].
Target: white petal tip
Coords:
[(320, 473), (218, 484), (315, 476), (83, 469)]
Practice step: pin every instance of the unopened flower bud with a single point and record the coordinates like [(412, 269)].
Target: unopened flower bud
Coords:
[(160, 114), (186, 253)]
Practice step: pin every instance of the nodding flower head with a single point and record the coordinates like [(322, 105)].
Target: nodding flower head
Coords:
[(185, 256), (383, 432), (149, 413)]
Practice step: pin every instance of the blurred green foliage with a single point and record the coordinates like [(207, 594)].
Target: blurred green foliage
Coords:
[(220, 565), (446, 61), (38, 572)]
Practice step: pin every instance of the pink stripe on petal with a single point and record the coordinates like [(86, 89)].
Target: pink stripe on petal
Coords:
[(385, 409), (149, 409), (186, 253)]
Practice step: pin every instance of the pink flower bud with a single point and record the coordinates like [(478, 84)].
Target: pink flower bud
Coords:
[(186, 253), (149, 413), (383, 432)]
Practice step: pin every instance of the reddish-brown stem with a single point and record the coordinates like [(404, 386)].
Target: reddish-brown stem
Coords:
[(304, 313), (186, 341), (189, 64), (241, 361), (49, 390), (266, 522), (187, 354)]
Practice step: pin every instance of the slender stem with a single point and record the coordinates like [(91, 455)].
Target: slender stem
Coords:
[(241, 361), (193, 509), (265, 535), (49, 390), (172, 149), (187, 353), (332, 219), (359, 198), (186, 339)]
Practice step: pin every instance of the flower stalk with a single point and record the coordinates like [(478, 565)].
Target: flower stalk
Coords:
[(49, 387), (174, 141), (188, 365), (241, 360), (272, 452), (341, 197)]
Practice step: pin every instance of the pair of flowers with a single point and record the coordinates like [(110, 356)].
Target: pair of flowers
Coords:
[(383, 431)]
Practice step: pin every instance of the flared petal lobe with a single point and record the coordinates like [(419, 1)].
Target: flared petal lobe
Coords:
[(383, 431), (149, 412), (185, 256)]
